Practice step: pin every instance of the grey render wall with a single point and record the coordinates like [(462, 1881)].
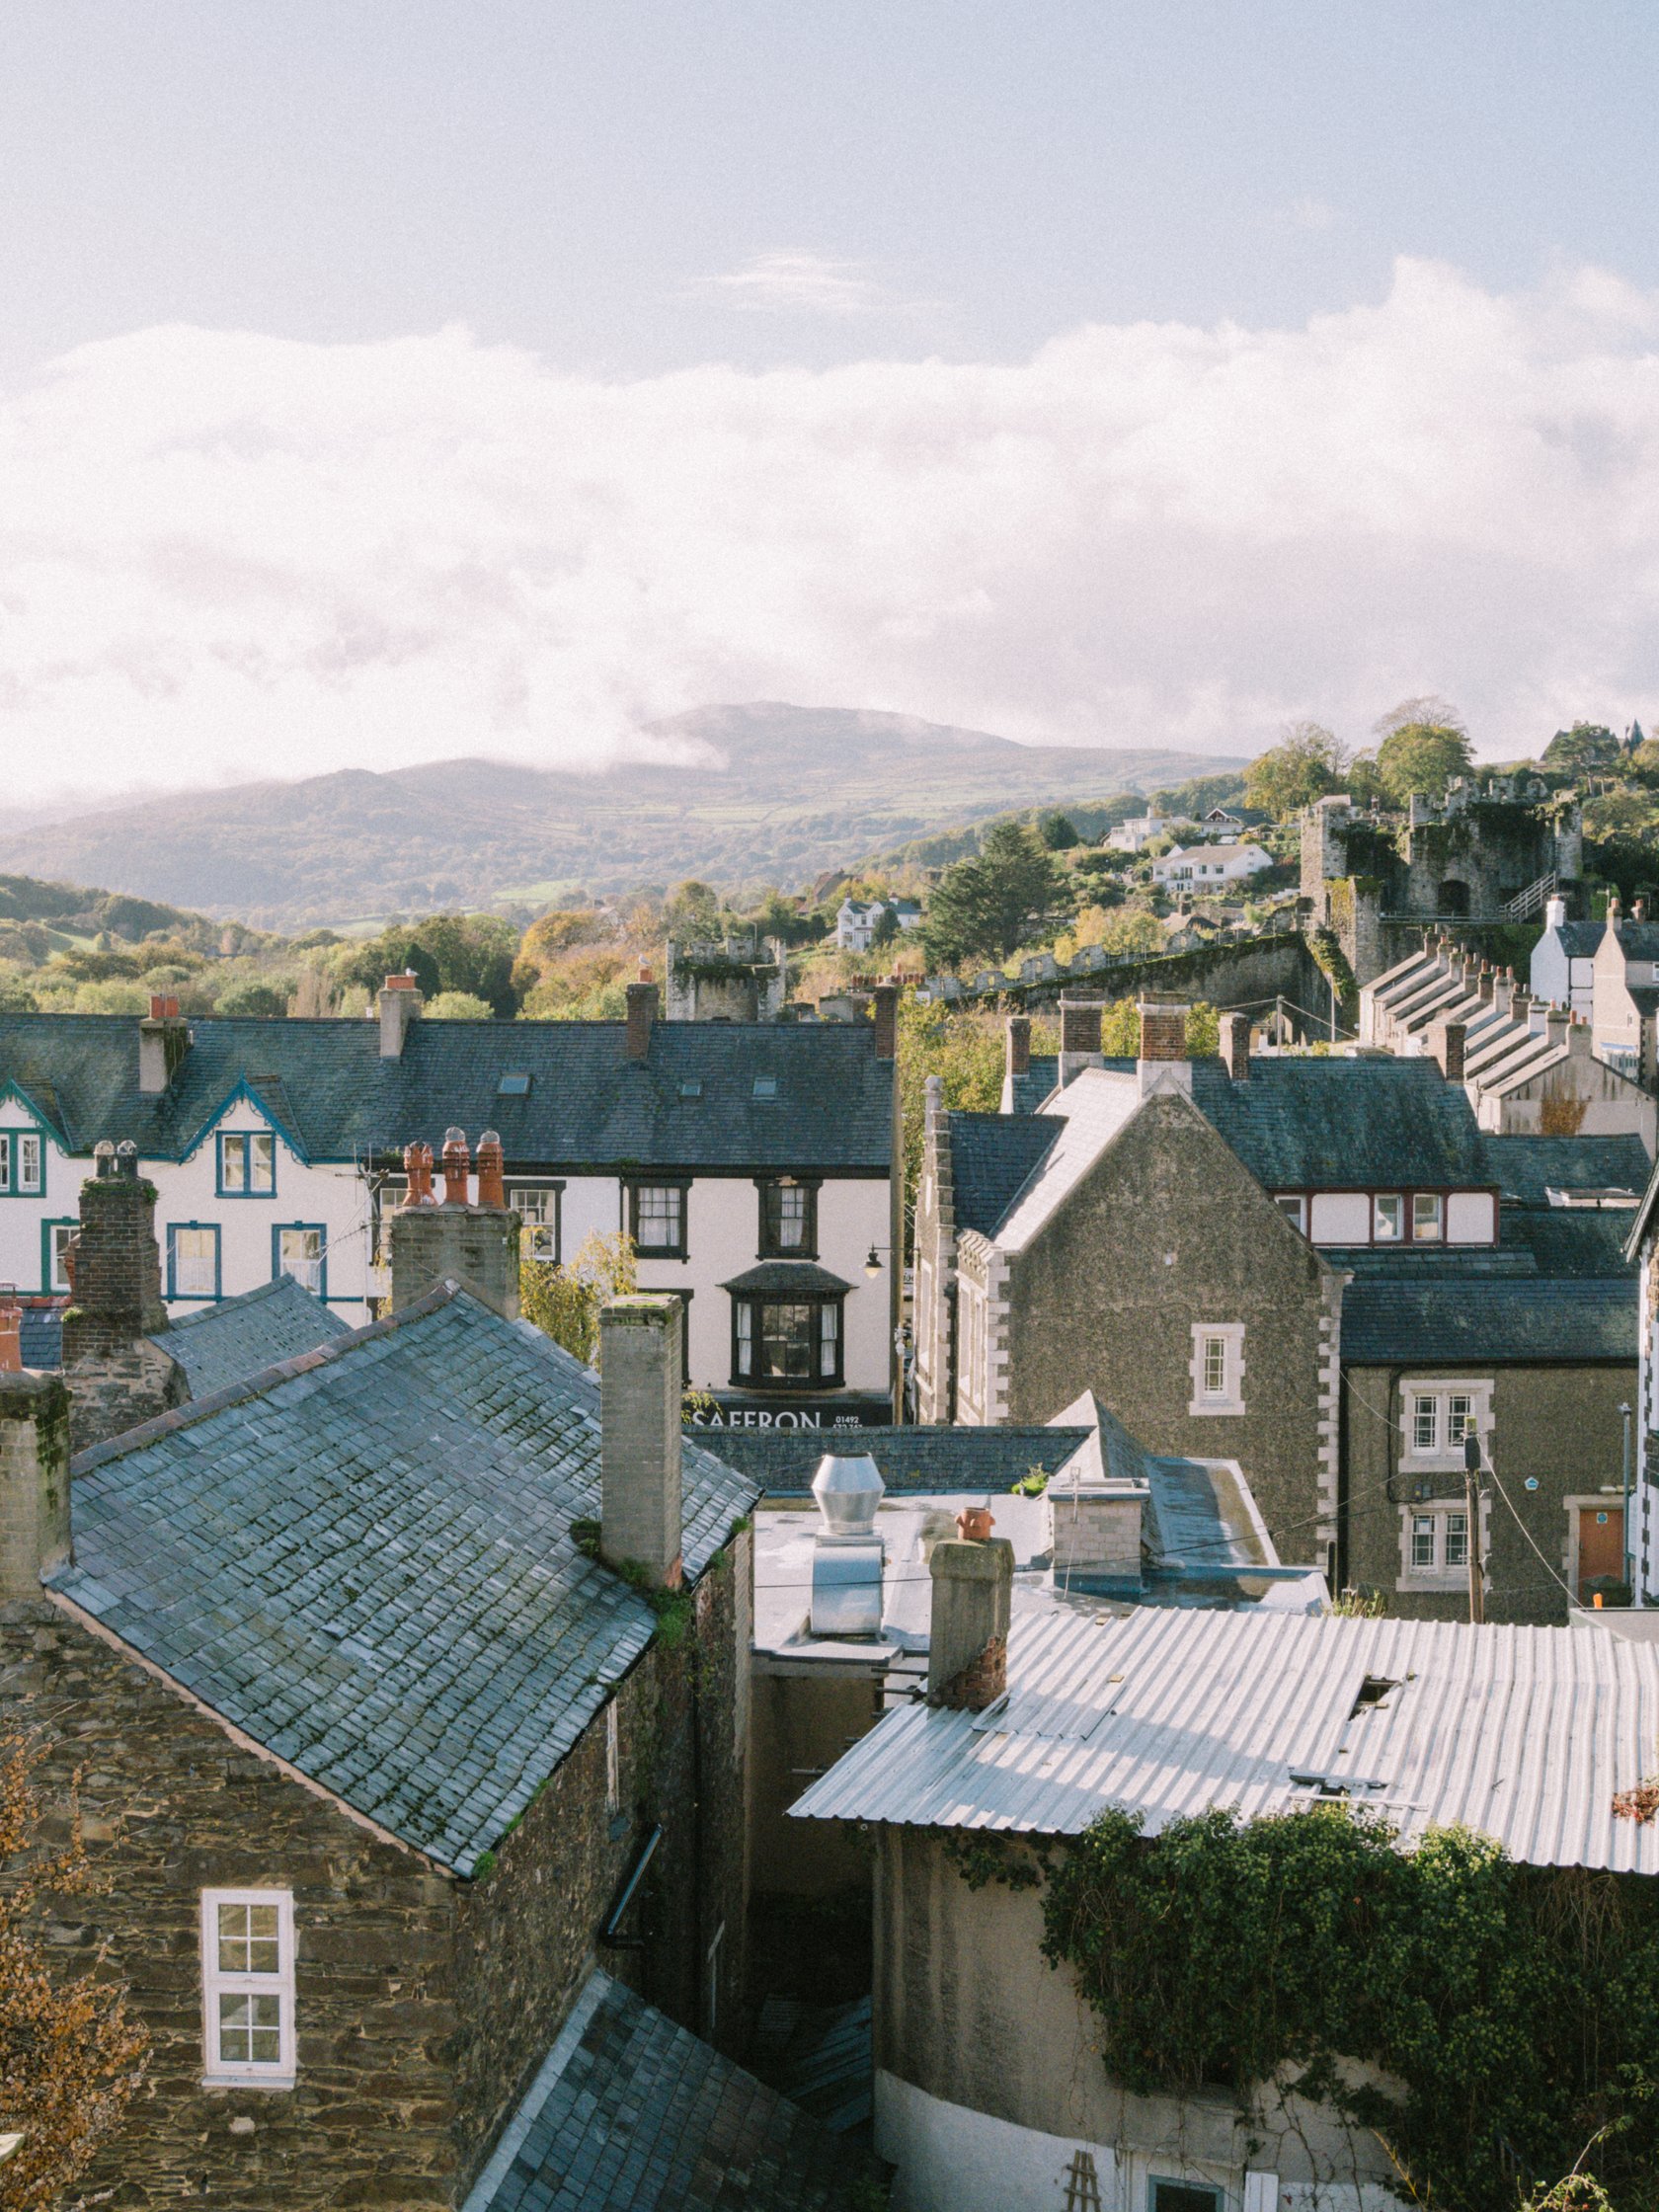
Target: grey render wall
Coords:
[(1168, 1229), (1556, 1425), (967, 2009)]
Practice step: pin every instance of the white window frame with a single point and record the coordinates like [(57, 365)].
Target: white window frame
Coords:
[(540, 1218), (1229, 1337), (1435, 1234), (1442, 1570), (1460, 1402), (1293, 1205), (217, 1982), (1395, 1199)]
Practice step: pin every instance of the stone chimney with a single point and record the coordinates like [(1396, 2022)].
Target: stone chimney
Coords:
[(883, 1005), (1486, 984), (1164, 1064), (400, 1003), (162, 1041), (1555, 913), (115, 1376), (1095, 1523), (968, 1636), (1079, 1037), (34, 1483), (1556, 1025), (1447, 1039), (1503, 993), (474, 1245), (642, 1013), (639, 1370), (1235, 1046), (10, 1336), (1017, 1051)]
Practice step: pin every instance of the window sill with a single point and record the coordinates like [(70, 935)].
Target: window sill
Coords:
[(263, 2079), (1454, 1581), (1202, 1406)]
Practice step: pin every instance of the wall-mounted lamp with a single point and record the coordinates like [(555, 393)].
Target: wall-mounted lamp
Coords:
[(873, 1265)]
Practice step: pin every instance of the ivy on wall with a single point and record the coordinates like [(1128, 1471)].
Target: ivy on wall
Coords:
[(1519, 2007)]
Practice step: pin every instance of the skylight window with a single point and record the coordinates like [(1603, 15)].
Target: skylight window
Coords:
[(513, 1086), (766, 1086), (691, 1087)]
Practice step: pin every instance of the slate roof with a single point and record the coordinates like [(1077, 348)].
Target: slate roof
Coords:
[(40, 1336), (631, 2113), (1578, 939), (1305, 1123), (587, 1105), (1029, 1091), (240, 1335), (1639, 940), (1528, 1167), (364, 1560), (926, 1461), (1447, 1321), (991, 1155), (786, 1278)]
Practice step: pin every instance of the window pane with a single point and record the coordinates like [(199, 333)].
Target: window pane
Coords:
[(828, 1340), (1215, 1366), (1425, 1218), (786, 1342), (659, 1219), (746, 1339), (1457, 1540), (28, 1162), (299, 1253), (233, 1939), (194, 1263), (1422, 1539), (249, 2029), (1460, 1416), (6, 1143), (61, 1232), (234, 1155), (1291, 1208), (1388, 1218), (1425, 1424), (262, 1168)]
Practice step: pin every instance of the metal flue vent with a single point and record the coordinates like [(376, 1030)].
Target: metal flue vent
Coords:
[(846, 1583)]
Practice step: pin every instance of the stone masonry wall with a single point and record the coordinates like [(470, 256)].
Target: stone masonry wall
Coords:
[(1166, 1231), (171, 1805)]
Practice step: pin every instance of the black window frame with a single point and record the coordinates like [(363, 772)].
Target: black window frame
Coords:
[(643, 1183), (767, 1187), (757, 1301), (516, 1184)]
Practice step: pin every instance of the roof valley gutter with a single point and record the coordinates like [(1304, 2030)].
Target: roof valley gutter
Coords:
[(238, 1736)]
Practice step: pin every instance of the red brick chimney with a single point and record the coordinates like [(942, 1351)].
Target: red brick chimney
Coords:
[(474, 1245), (162, 1041), (967, 1632), (642, 1013), (885, 1014), (1018, 1061), (1079, 1025), (1235, 1046), (1163, 1031), (1446, 1042), (10, 1336)]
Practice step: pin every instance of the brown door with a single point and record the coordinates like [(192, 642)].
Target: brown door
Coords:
[(1601, 1545)]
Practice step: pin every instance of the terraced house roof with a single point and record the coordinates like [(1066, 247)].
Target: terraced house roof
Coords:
[(241, 1335), (807, 1095), (364, 1560)]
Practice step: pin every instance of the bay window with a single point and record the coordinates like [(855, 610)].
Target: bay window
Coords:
[(787, 1340)]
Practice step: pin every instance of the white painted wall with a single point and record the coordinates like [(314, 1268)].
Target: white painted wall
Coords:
[(1340, 1218)]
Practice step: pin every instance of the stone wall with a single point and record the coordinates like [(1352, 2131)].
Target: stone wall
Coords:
[(1166, 1230), (1557, 1426), (171, 1805), (116, 1377)]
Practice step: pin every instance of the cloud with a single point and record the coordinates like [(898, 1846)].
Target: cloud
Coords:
[(226, 555), (798, 284)]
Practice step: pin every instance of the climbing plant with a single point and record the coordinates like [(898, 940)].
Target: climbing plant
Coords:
[(1517, 2007)]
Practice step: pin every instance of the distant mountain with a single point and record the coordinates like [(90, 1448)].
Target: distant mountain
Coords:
[(775, 794)]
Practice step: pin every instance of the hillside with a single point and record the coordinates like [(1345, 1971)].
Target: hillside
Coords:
[(778, 794)]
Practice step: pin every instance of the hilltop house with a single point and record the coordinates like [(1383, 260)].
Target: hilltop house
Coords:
[(410, 1754), (1141, 828), (751, 1163), (857, 920), (1210, 867), (1319, 1267)]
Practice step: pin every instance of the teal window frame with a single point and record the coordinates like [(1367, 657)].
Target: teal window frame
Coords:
[(202, 1298), (279, 1229), (50, 1288), (245, 1136), (11, 1185)]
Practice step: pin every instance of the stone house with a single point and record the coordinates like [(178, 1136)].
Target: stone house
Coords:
[(379, 1754), (1129, 1236), (718, 1145), (991, 2094)]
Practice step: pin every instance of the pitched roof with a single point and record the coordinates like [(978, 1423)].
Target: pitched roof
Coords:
[(241, 1335), (587, 1104), (1639, 940), (1305, 1121), (1578, 939), (1447, 1321), (631, 2113), (40, 1336), (1039, 1077), (921, 1460), (1171, 1712), (1530, 1167), (364, 1560), (991, 1155)]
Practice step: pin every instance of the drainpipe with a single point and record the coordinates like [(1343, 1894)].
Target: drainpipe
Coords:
[(1624, 1518)]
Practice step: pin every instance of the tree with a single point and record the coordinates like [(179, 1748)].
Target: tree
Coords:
[(692, 910), (263, 1001), (966, 1050), (1424, 746), (1057, 831), (564, 1302), (473, 953), (989, 905), (459, 1005), (1306, 764), (1583, 750), (70, 2056)]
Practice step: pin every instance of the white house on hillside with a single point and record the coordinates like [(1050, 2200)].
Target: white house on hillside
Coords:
[(1209, 867)]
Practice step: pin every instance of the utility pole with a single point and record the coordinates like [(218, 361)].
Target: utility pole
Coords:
[(1472, 1505), (1629, 1548)]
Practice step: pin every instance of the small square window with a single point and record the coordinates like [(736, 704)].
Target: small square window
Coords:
[(537, 1208), (513, 1086), (22, 1163), (1291, 1208), (766, 1086), (300, 1253), (1427, 1216), (1387, 1218), (1182, 2196)]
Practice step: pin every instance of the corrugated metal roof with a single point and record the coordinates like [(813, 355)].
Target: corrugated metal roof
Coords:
[(1524, 1734)]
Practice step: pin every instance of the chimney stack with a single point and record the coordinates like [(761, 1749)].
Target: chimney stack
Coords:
[(1079, 1025), (474, 1245), (1446, 1042), (1235, 1046), (1555, 913), (885, 1014), (34, 1483), (162, 1041), (1556, 1025), (10, 1336), (1163, 1062), (400, 1003), (642, 1013), (1019, 1051), (968, 1635), (639, 1370), (115, 1376)]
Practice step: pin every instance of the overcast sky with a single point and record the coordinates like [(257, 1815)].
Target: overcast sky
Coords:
[(379, 382)]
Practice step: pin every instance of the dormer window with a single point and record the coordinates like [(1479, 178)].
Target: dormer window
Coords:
[(246, 1164)]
